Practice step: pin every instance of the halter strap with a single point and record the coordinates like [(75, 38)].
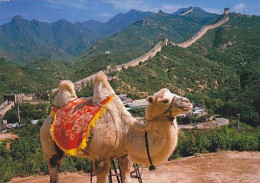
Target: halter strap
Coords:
[(151, 167)]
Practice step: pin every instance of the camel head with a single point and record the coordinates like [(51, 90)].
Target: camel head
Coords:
[(65, 94), (164, 103)]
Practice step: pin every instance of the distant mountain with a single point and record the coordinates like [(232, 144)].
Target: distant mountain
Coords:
[(183, 10), (121, 21), (23, 40), (201, 15)]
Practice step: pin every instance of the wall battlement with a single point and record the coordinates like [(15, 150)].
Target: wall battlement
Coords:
[(5, 106)]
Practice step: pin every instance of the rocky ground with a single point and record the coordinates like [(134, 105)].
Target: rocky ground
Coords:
[(212, 167)]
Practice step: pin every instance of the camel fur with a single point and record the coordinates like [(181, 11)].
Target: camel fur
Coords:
[(118, 135)]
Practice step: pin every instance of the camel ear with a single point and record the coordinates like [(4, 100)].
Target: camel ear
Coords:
[(150, 99)]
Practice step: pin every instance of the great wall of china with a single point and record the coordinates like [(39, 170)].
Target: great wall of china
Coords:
[(201, 33), (79, 85), (158, 47), (187, 12)]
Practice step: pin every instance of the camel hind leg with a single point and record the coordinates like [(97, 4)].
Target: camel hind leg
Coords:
[(53, 163)]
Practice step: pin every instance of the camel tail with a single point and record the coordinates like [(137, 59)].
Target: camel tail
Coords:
[(67, 85)]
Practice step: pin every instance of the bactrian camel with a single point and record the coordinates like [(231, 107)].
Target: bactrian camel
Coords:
[(117, 134)]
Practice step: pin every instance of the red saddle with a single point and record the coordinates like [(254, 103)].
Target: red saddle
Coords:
[(72, 123)]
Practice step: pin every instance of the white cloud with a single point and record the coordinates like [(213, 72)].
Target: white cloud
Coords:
[(213, 10), (58, 4), (240, 7), (169, 8), (4, 0), (106, 14), (132, 4)]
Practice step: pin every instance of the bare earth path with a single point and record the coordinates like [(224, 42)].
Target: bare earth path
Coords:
[(213, 167)]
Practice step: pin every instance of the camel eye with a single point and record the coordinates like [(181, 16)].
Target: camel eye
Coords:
[(165, 101)]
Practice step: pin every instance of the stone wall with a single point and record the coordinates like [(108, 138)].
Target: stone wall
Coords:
[(186, 12), (158, 47), (201, 33), (143, 58), (83, 82), (6, 106)]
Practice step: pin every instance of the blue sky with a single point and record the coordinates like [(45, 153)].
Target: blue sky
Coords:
[(103, 10)]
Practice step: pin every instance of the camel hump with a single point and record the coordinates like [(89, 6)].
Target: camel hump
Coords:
[(67, 85), (100, 77)]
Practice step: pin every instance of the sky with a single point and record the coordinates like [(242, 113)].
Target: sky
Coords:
[(103, 10)]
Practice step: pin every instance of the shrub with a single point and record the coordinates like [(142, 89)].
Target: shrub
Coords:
[(4, 153), (8, 169), (68, 165), (244, 141), (24, 147), (224, 138)]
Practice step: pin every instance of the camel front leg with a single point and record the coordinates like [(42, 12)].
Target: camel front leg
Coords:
[(125, 165), (101, 169)]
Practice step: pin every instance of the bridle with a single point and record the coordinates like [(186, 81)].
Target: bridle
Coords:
[(170, 118)]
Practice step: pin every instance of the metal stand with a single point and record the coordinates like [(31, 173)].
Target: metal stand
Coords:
[(137, 173), (91, 172), (114, 172)]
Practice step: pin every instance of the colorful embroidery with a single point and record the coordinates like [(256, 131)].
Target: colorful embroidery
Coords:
[(72, 123)]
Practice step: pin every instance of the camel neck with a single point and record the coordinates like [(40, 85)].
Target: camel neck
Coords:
[(161, 137)]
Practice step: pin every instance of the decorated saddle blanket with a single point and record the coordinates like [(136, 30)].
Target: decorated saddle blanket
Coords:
[(72, 123)]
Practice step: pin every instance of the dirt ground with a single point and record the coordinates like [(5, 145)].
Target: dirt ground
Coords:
[(8, 136), (221, 167)]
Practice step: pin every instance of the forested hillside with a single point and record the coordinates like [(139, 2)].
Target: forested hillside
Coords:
[(34, 77), (220, 71)]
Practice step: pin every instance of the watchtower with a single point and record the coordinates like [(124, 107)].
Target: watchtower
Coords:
[(226, 11), (164, 40)]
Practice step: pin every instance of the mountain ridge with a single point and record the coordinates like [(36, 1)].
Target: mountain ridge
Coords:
[(81, 35)]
